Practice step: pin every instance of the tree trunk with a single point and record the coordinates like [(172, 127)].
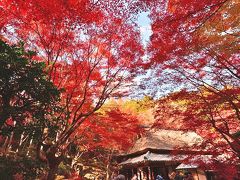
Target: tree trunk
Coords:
[(108, 166), (4, 113), (53, 163), (108, 174), (4, 116), (52, 170)]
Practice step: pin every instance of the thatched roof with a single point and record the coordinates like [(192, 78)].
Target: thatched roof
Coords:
[(152, 157), (162, 139)]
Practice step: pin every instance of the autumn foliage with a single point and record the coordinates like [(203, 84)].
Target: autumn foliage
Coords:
[(194, 50), (90, 49)]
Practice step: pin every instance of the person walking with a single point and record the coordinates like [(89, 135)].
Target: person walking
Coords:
[(159, 177)]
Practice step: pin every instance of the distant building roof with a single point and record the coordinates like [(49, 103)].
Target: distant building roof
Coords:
[(153, 157), (162, 139)]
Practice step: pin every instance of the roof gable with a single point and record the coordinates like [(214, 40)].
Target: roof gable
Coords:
[(163, 139)]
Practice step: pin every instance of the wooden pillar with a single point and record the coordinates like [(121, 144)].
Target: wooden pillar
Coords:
[(149, 173), (168, 169), (197, 173), (152, 175), (138, 177), (141, 174), (138, 174)]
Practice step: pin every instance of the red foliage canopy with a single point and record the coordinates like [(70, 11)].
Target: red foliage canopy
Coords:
[(91, 48), (112, 129), (194, 48)]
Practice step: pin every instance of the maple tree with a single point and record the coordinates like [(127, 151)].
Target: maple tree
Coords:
[(142, 108), (214, 122), (194, 47), (112, 130), (109, 132), (90, 48)]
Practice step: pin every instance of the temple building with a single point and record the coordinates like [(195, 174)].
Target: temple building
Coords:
[(160, 152)]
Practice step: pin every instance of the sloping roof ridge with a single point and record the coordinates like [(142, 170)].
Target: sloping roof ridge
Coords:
[(164, 139), (171, 130)]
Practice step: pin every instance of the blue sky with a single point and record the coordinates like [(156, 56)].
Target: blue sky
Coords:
[(145, 28)]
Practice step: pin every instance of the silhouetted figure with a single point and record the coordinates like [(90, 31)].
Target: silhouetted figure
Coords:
[(188, 176), (178, 176)]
